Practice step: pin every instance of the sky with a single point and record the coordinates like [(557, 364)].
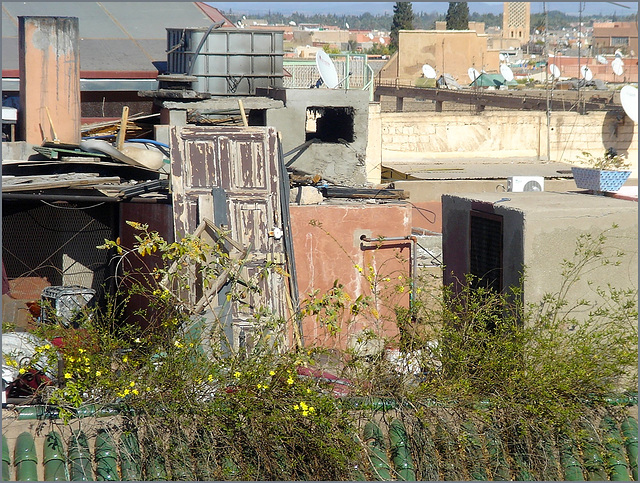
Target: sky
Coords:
[(375, 8)]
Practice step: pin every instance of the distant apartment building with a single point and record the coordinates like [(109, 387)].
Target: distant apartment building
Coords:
[(611, 36)]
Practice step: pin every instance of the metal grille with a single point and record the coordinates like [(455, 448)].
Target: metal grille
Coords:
[(517, 14), (57, 242), (302, 74), (485, 250)]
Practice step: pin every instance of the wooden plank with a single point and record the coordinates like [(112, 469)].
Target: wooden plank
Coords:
[(11, 186)]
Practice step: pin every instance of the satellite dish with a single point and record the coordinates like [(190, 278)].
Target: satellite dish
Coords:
[(554, 70), (428, 71), (327, 69), (292, 23), (381, 40), (629, 101), (618, 53), (503, 57), (586, 73), (473, 73), (601, 59), (506, 72), (346, 24), (552, 55), (618, 66), (371, 35)]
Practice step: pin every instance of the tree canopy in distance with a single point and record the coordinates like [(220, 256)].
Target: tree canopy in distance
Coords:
[(458, 16), (402, 20)]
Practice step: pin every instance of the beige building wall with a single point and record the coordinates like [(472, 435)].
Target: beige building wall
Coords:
[(516, 21), (447, 51), (449, 137)]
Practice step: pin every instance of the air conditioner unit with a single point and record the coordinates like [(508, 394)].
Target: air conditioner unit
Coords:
[(525, 183)]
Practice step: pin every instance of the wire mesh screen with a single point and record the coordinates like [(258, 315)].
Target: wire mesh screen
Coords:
[(301, 74), (57, 242)]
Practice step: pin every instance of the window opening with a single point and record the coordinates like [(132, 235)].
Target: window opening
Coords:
[(329, 124)]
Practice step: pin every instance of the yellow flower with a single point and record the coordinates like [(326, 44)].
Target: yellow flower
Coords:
[(296, 407), (23, 370), (137, 340), (47, 347), (272, 373), (210, 378), (98, 373), (290, 380), (303, 405), (308, 391), (236, 375), (79, 350), (305, 413), (126, 392), (132, 383), (135, 392), (11, 362), (178, 344), (67, 375), (358, 268), (125, 359), (311, 409)]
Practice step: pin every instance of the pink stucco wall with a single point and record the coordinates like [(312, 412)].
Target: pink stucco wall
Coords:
[(327, 246)]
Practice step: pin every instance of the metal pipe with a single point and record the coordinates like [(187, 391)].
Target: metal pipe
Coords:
[(414, 259), (55, 463), (26, 458)]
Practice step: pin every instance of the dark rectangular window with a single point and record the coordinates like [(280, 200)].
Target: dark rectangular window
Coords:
[(485, 250), (329, 124)]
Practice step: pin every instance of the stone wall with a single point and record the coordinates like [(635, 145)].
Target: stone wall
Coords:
[(432, 136)]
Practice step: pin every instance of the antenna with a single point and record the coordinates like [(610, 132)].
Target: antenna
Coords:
[(506, 72), (327, 70), (586, 73), (428, 71), (629, 101), (618, 66), (473, 73), (554, 70)]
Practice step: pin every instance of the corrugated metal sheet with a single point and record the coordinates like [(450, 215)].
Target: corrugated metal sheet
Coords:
[(230, 175), (105, 27)]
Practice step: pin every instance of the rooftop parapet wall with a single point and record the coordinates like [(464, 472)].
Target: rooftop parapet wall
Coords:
[(499, 136)]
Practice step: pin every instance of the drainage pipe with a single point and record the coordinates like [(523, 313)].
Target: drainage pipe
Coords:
[(377, 453), (6, 459), (26, 458), (618, 468), (414, 259), (106, 459), (400, 451), (630, 434), (55, 463)]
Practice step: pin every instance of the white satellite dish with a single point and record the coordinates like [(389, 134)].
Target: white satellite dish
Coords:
[(552, 55), (554, 71), (586, 73), (618, 66), (473, 73), (428, 71), (506, 72), (381, 40), (327, 69), (346, 24), (503, 57), (629, 101), (371, 35), (618, 53), (602, 59), (292, 23)]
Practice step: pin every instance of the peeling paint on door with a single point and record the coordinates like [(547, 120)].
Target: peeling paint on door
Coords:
[(230, 175)]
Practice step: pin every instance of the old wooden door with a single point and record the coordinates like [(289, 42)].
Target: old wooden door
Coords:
[(231, 175)]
